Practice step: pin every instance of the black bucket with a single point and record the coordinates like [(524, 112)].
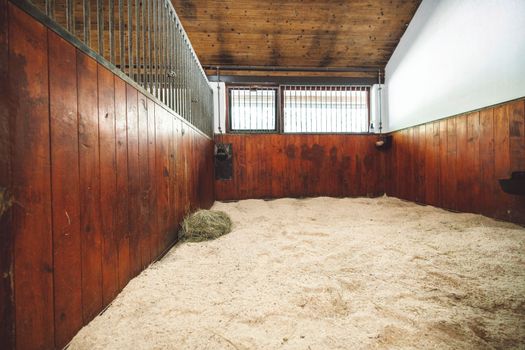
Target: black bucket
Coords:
[(515, 185)]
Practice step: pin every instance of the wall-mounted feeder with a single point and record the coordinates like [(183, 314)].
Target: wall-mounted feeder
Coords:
[(223, 161), (383, 142), (515, 185)]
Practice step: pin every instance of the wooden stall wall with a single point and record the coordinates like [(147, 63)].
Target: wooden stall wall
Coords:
[(455, 163), (302, 165), (101, 177)]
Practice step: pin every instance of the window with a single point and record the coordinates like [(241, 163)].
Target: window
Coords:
[(301, 109), (330, 109), (252, 109)]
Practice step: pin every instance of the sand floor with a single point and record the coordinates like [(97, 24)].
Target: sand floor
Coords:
[(328, 273)]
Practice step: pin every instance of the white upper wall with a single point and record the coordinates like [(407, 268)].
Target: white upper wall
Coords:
[(456, 56)]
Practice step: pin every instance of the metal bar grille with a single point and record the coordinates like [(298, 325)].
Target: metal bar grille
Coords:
[(253, 109), (325, 109), (146, 41)]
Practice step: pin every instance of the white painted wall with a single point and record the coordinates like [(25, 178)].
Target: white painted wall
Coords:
[(456, 56), (222, 98)]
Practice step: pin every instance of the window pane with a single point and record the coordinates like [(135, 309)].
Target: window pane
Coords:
[(252, 109), (326, 108)]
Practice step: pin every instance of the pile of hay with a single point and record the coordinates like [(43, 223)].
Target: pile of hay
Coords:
[(204, 225)]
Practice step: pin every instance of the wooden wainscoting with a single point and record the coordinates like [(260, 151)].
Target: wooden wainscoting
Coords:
[(455, 163), (101, 177), (302, 165)]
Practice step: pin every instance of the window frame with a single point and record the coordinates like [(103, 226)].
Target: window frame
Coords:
[(276, 88), (279, 109)]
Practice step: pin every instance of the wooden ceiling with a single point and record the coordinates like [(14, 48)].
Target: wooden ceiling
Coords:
[(295, 33)]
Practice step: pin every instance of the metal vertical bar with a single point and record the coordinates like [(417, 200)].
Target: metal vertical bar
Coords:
[(142, 61), (303, 125), (50, 8), (331, 107), (324, 106), (70, 16), (122, 64), (161, 50), (87, 22), (164, 76), (170, 60), (187, 90), (267, 108), (111, 25), (178, 69), (171, 35), (130, 38), (298, 106), (100, 27), (303, 122), (147, 69), (294, 108), (163, 65), (153, 50), (340, 107), (183, 73), (137, 42)]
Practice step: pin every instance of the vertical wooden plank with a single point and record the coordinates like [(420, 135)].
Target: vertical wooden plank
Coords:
[(108, 182), (162, 164), (29, 118), (121, 208), (502, 169), (90, 226), (179, 167), (463, 187), (516, 112), (473, 175), (152, 204), (67, 264), (404, 165), (7, 329), (451, 160), (443, 173), (172, 178), (430, 156), (133, 180), (278, 161), (487, 162), (421, 145), (143, 175)]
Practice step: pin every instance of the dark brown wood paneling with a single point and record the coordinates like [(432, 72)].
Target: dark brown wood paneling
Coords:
[(143, 174), (152, 198), (162, 182), (133, 180), (32, 231), (271, 166), (501, 157), (7, 331), (464, 157), (65, 189), (462, 191), (89, 167), (516, 112), (108, 182), (81, 161), (121, 209), (487, 162), (472, 173)]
